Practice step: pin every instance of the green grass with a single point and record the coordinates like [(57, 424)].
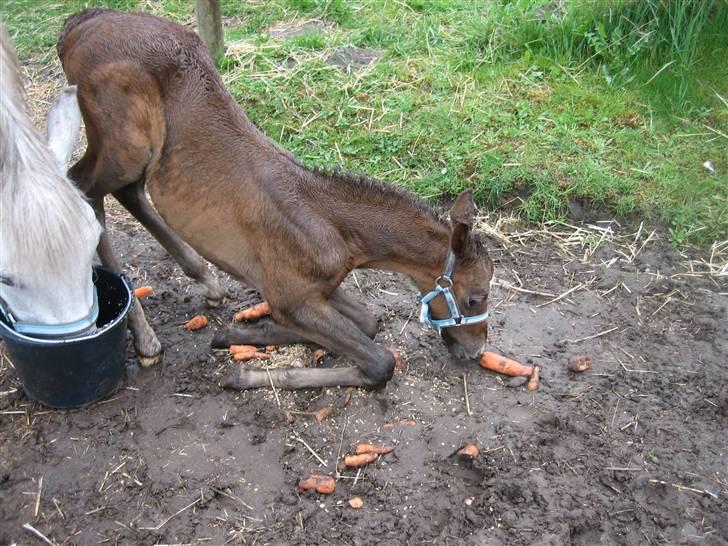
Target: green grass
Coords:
[(615, 103)]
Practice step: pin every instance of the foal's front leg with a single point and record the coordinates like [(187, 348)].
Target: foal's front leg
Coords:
[(268, 332), (320, 322), (146, 344)]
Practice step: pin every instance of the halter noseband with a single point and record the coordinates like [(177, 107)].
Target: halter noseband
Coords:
[(443, 286), (68, 329)]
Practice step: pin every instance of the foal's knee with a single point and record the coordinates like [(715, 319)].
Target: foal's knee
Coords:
[(380, 369)]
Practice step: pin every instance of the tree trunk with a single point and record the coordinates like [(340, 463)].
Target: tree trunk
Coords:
[(209, 26)]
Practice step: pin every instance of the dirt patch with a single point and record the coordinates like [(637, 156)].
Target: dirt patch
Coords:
[(631, 451), (351, 58)]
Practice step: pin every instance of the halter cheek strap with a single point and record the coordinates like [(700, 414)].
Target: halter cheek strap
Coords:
[(443, 287), (56, 330)]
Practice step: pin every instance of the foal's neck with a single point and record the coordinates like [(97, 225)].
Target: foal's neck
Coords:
[(388, 228)]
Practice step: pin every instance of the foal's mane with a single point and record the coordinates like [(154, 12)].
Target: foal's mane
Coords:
[(372, 190), (41, 208)]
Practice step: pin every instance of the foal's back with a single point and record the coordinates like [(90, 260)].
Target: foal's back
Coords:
[(155, 109)]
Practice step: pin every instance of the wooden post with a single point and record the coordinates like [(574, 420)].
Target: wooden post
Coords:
[(209, 27)]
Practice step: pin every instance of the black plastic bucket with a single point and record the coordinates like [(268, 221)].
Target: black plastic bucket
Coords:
[(70, 373)]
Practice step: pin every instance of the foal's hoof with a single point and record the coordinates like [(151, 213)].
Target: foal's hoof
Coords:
[(149, 353), (213, 302), (148, 361), (213, 292), (221, 339)]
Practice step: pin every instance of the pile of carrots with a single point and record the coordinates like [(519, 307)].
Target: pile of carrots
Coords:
[(243, 353), (365, 454)]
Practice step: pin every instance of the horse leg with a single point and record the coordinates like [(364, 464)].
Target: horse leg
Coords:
[(132, 197), (262, 332), (268, 332), (355, 311), (146, 344), (319, 321)]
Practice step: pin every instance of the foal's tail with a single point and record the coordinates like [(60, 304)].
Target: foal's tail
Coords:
[(72, 22)]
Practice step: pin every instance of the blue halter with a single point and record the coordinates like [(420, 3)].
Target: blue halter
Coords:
[(56, 330), (443, 286)]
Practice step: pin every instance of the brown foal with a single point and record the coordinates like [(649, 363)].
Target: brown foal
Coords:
[(158, 116)]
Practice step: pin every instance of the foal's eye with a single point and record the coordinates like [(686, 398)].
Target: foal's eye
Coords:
[(474, 301)]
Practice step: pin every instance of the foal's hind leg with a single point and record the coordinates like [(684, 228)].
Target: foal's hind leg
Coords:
[(146, 344), (135, 201)]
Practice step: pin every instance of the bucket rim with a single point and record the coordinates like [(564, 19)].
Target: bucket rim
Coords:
[(7, 332)]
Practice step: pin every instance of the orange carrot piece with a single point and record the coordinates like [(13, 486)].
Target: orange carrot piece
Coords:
[(323, 413), (244, 356), (318, 354), (354, 461), (470, 450), (252, 313), (143, 291), (324, 485), (234, 349), (196, 323), (356, 503), (398, 360), (533, 381), (506, 366), (371, 448)]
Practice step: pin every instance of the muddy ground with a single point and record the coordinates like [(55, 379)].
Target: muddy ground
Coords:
[(632, 451)]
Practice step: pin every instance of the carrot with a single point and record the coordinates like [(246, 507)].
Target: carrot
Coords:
[(470, 450), (580, 363), (242, 356), (324, 485), (533, 381), (252, 313), (323, 413), (196, 323), (234, 349), (506, 366), (398, 360), (353, 461), (370, 448), (318, 354), (356, 503), (408, 422), (143, 291)]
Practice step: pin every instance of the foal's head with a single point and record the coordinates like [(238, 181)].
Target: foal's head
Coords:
[(459, 310), (48, 232)]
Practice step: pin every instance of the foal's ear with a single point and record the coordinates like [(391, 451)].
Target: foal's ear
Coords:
[(462, 216)]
